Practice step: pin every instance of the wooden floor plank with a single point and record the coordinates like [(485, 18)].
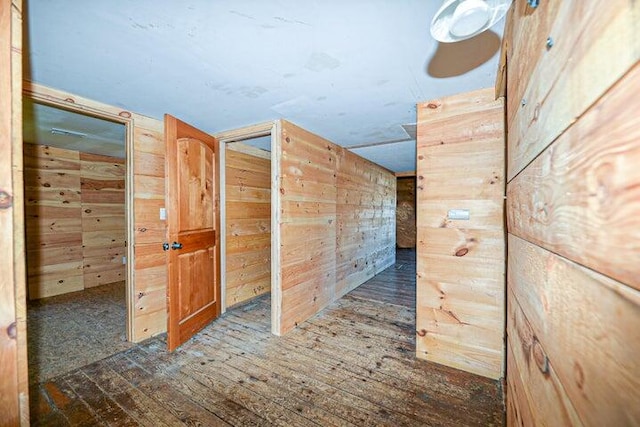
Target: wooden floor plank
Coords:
[(353, 364)]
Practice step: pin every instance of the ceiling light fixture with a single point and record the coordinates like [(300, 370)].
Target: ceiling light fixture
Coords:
[(458, 20), (66, 132)]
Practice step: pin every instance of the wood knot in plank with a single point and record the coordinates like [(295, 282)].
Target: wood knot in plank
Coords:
[(6, 200), (433, 105), (12, 331), (70, 100), (462, 251), (125, 114), (421, 332), (579, 374), (540, 357)]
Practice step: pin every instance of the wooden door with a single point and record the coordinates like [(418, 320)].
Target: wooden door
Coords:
[(194, 226)]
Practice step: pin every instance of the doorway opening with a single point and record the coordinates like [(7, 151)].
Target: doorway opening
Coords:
[(248, 264), (76, 183)]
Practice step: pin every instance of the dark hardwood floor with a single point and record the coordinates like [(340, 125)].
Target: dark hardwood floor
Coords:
[(352, 364)]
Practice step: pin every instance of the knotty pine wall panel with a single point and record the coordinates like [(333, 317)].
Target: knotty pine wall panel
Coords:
[(147, 308), (248, 225), (366, 215), (337, 226), (14, 387), (461, 263), (53, 212), (573, 215), (550, 87), (150, 262), (102, 181), (75, 220)]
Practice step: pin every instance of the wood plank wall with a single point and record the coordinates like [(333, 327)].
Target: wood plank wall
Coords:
[(406, 212), (14, 406), (150, 263), (337, 223), (461, 263), (148, 308), (53, 211), (248, 224), (573, 213), (102, 181), (75, 220)]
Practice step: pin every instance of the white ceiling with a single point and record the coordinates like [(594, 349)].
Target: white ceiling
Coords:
[(349, 70)]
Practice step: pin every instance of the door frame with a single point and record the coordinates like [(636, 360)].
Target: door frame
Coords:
[(65, 101), (273, 129)]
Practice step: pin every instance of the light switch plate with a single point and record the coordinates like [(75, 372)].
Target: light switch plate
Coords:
[(459, 214), (163, 214)]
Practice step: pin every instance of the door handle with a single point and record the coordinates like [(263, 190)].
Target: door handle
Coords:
[(176, 245)]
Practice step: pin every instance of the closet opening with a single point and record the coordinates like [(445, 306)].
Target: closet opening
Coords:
[(246, 206), (76, 224)]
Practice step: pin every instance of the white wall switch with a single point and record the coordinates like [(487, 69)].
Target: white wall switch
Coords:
[(163, 214), (124, 260), (461, 214)]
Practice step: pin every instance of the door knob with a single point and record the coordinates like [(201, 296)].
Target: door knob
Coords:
[(176, 245)]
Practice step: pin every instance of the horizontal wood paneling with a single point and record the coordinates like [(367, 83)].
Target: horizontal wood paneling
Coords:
[(102, 182), (544, 394), (248, 225), (460, 264), (366, 220), (53, 220), (75, 220), (581, 197), (146, 167), (586, 325), (150, 285), (336, 227), (559, 83), (572, 211)]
